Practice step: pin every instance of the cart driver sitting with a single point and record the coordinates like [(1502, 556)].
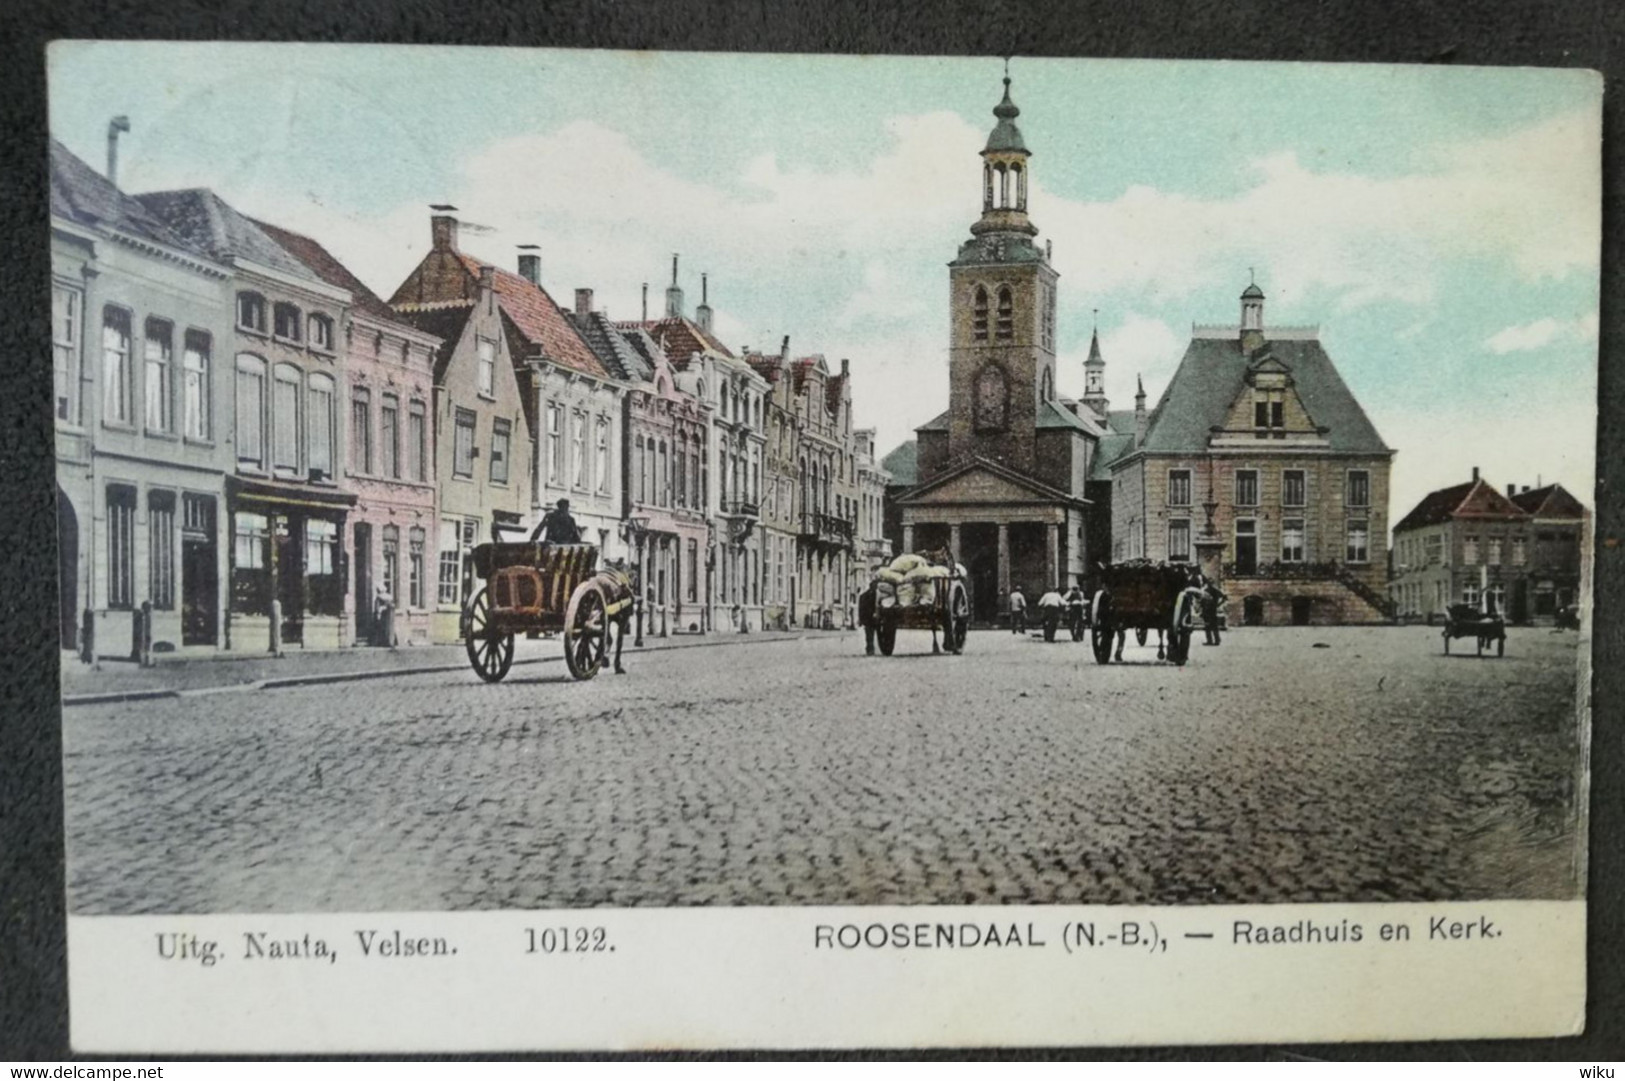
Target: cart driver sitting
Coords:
[(557, 526)]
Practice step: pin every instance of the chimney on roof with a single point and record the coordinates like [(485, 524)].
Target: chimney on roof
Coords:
[(784, 350), (1526, 487), (443, 228), (645, 302), (674, 293), (845, 365), (1512, 490), (583, 301), (116, 125), (1475, 474), (488, 282), (702, 314), (530, 264)]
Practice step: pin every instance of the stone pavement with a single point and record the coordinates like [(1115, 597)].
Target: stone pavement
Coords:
[(800, 771), (181, 673)]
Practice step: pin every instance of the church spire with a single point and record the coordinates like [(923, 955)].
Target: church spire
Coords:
[(1094, 377)]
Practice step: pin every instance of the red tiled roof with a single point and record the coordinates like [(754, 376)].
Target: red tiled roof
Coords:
[(800, 367), (539, 319), (765, 365), (1474, 499), (326, 267), (832, 393), (679, 338), (1550, 501)]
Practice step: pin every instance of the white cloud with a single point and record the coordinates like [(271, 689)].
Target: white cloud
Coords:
[(1530, 199), (1541, 333)]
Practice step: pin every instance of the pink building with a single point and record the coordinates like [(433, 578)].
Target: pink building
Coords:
[(389, 367)]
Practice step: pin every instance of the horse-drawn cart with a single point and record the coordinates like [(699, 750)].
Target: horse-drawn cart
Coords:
[(1143, 596), (1466, 621), (540, 588), (922, 592)]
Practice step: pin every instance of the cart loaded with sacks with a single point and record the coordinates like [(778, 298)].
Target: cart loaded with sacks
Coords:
[(536, 588), (924, 591)]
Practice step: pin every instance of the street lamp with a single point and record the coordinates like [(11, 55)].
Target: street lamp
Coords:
[(636, 529)]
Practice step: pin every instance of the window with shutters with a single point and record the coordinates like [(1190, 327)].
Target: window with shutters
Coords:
[(462, 464)]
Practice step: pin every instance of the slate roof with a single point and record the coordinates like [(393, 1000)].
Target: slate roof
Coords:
[(1550, 501), (1212, 375), (208, 223), (903, 464), (938, 423), (1474, 499), (638, 340), (326, 267), (613, 351), (81, 194), (1005, 134), (1055, 416), (1113, 446)]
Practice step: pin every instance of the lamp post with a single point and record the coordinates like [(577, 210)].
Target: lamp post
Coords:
[(636, 529)]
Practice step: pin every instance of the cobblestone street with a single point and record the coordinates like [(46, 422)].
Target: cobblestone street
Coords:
[(800, 771)]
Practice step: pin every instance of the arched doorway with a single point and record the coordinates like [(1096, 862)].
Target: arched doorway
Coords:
[(1301, 607), (67, 544), (1252, 611)]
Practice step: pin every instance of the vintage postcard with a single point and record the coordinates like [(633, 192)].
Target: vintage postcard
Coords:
[(591, 550)]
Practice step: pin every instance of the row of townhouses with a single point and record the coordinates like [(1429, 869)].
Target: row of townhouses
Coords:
[(255, 449)]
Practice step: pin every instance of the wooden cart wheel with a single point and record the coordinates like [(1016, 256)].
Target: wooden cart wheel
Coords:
[(490, 653), (1179, 634), (887, 634), (958, 621), (586, 631), (1100, 630)]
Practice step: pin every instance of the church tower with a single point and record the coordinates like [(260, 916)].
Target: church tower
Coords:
[(1001, 357)]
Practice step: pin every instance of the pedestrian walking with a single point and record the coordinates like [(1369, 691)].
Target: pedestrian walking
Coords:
[(866, 618), (1018, 611), (1212, 598)]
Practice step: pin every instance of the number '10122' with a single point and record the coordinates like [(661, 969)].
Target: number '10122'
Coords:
[(567, 940)]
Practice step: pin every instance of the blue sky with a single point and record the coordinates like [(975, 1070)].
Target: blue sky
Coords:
[(1440, 224)]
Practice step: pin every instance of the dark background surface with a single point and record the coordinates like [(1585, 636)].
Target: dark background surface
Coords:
[(1582, 33)]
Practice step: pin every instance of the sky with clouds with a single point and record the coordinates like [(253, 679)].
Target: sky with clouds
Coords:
[(1441, 225)]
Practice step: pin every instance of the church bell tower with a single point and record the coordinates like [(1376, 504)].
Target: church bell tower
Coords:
[(1001, 356)]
